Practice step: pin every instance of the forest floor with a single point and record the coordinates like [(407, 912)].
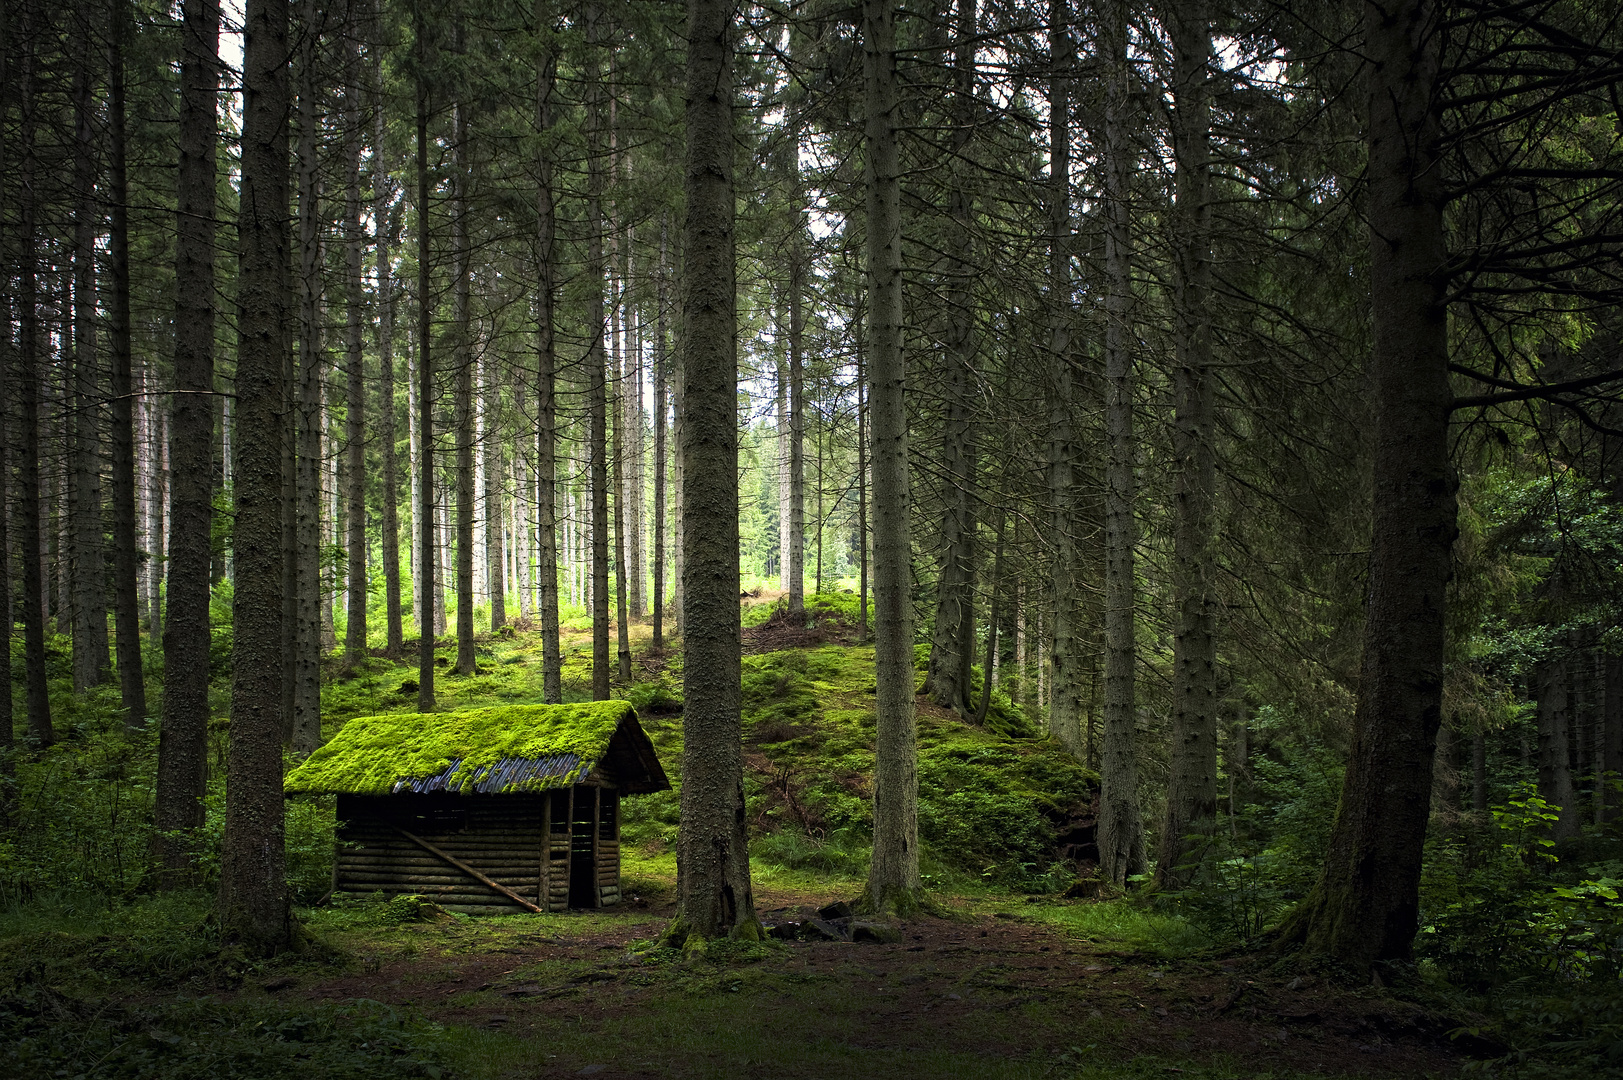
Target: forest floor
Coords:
[(1009, 980), (980, 993)]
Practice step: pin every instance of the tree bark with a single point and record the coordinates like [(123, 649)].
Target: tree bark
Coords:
[(659, 443), (305, 735), (1555, 724), (714, 896), (1121, 829), (253, 900), (1062, 705), (893, 876), (546, 447), (495, 549), (618, 484), (40, 728), (383, 218), (1192, 770), (1366, 905), (426, 580), (953, 636), (461, 337), (183, 741), (597, 392), (126, 569), (87, 572), (354, 373)]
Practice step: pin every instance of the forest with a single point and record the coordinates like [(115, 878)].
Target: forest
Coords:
[(809, 538)]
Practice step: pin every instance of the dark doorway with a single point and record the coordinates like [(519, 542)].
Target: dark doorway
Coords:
[(582, 864)]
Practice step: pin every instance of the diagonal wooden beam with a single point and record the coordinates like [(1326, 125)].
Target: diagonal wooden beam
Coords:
[(470, 871)]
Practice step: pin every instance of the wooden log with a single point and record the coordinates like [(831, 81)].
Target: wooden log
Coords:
[(470, 871), (494, 868)]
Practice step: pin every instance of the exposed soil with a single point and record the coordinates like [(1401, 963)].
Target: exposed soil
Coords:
[(994, 987)]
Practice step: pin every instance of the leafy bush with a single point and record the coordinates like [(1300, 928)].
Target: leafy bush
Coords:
[(1504, 917)]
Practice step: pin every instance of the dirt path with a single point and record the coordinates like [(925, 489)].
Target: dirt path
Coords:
[(981, 996)]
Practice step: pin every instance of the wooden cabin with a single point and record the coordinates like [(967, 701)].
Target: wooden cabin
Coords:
[(512, 808)]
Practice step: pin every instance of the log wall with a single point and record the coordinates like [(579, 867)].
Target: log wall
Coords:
[(502, 836)]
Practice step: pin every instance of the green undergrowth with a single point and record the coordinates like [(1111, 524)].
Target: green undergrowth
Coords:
[(1123, 924)]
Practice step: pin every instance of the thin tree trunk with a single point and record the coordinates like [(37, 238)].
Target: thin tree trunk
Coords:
[(1555, 722), (617, 461), (714, 896), (426, 562), (126, 572), (183, 741), (305, 735), (1192, 770), (893, 876), (953, 637), (1121, 830), (253, 901), (354, 374), (88, 575), (795, 557), (546, 447), (862, 481), (40, 728), (995, 594), (495, 550), (8, 766), (1612, 720), (461, 336), (1365, 907), (1065, 686), (383, 217), (659, 443), (595, 358)]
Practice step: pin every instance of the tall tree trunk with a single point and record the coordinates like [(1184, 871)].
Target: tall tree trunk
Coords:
[(617, 461), (1192, 771), (659, 443), (953, 637), (781, 426), (1121, 829), (495, 551), (183, 741), (1063, 720), (1611, 718), (461, 336), (862, 481), (88, 575), (546, 447), (1556, 717), (27, 390), (126, 602), (795, 557), (1365, 907), (354, 374), (253, 900), (714, 896), (631, 439), (893, 876), (383, 217), (8, 766), (305, 735), (424, 510), (597, 392)]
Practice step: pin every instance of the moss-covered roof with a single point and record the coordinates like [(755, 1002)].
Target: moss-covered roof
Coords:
[(507, 748)]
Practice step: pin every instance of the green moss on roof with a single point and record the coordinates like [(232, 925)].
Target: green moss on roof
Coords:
[(372, 754)]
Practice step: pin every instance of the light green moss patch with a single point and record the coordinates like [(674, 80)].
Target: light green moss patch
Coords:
[(372, 753)]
